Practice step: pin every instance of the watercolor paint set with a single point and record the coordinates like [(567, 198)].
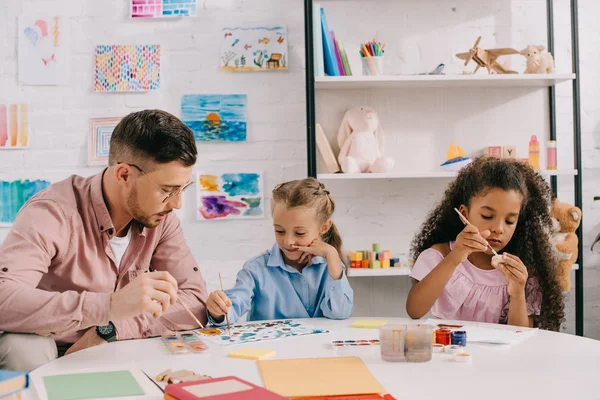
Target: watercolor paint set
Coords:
[(182, 343), (355, 343)]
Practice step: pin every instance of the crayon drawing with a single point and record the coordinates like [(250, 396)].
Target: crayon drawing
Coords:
[(43, 51), (14, 126), (101, 130), (163, 8), (132, 68), (229, 196), (215, 117), (254, 49), (15, 193), (258, 331)]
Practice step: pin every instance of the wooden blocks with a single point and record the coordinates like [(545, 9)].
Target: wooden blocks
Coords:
[(500, 151), (509, 152)]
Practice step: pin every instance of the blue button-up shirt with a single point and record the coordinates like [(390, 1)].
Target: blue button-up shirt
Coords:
[(267, 288)]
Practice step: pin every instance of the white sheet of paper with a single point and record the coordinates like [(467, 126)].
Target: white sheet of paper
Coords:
[(44, 50)]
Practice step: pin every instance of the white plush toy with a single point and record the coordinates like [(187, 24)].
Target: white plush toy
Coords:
[(361, 143), (538, 62)]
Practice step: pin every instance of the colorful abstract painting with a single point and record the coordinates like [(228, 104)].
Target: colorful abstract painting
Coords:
[(163, 8), (258, 331), (229, 196), (14, 126), (15, 193), (43, 50), (101, 130), (132, 68), (254, 49), (215, 117)]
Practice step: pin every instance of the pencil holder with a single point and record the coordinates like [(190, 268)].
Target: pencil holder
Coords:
[(372, 66)]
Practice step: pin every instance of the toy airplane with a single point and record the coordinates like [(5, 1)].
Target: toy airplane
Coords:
[(487, 58), (439, 70)]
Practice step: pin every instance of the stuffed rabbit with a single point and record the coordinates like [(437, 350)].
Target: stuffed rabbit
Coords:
[(361, 143)]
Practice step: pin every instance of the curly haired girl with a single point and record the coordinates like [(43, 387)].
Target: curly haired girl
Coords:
[(506, 205)]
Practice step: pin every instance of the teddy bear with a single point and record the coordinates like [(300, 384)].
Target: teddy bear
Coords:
[(565, 221), (361, 142), (538, 62)]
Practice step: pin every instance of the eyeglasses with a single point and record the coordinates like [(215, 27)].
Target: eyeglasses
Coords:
[(169, 195)]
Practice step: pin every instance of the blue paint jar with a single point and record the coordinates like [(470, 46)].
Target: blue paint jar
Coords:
[(458, 338)]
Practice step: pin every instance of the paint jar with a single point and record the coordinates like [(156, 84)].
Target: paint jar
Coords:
[(391, 342), (442, 336), (551, 155), (458, 338), (418, 346)]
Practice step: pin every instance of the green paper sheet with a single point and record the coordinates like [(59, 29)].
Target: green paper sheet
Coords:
[(92, 385)]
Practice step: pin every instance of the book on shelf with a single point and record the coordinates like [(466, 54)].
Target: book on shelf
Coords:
[(331, 67), (338, 58), (318, 40), (326, 151)]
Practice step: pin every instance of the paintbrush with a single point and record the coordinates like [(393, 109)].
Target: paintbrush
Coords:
[(226, 316), (191, 313), (466, 222)]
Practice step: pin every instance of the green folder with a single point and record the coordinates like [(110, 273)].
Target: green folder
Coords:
[(92, 385)]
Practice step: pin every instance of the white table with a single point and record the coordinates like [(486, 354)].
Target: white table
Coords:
[(547, 366)]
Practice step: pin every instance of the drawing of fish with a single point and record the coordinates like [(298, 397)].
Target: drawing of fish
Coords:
[(280, 40), (279, 33), (236, 41), (248, 46), (264, 40), (228, 34)]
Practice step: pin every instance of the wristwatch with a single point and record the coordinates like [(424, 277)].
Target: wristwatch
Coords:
[(107, 332)]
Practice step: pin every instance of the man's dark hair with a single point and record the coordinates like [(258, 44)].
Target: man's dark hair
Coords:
[(152, 135)]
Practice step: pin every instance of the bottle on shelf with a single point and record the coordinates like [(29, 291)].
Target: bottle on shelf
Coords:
[(534, 153), (551, 155)]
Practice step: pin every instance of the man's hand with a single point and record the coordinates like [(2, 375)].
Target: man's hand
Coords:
[(89, 339), (152, 292)]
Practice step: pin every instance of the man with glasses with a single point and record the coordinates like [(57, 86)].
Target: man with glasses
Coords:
[(98, 259)]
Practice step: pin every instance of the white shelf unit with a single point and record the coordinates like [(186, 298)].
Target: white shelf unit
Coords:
[(429, 112), (369, 272), (422, 175), (440, 81)]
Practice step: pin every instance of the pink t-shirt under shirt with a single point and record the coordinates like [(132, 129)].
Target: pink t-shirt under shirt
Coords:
[(473, 294)]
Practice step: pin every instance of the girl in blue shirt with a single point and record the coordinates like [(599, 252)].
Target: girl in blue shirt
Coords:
[(302, 276)]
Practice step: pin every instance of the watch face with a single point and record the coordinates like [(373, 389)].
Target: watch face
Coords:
[(105, 330)]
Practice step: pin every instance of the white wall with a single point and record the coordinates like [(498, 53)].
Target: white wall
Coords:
[(420, 34), (189, 65)]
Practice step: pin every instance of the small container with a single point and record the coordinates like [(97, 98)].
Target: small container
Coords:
[(175, 344), (453, 349), (418, 346), (458, 338), (391, 342), (534, 153), (442, 336), (551, 155), (372, 66)]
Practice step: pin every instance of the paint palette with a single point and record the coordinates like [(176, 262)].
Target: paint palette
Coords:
[(259, 331), (182, 343), (355, 343)]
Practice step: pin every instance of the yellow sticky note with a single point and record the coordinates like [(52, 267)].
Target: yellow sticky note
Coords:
[(368, 323), (251, 354)]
